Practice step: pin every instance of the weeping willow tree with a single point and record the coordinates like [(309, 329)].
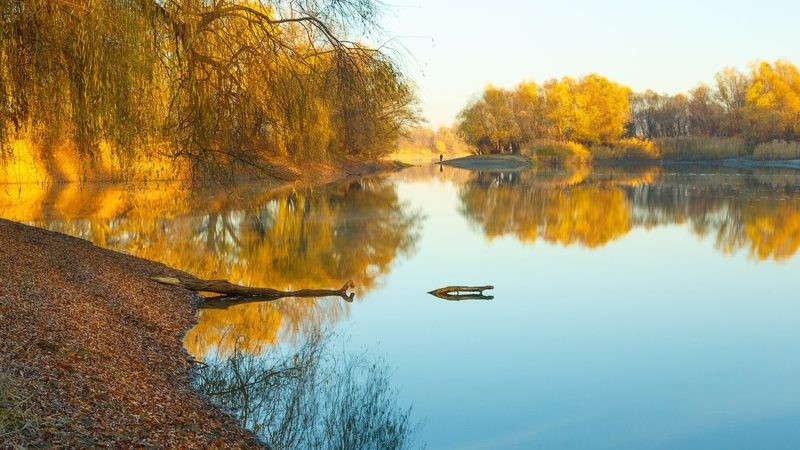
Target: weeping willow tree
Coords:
[(223, 84)]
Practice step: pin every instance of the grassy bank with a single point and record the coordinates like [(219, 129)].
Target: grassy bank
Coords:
[(626, 150), (777, 151), (689, 148), (692, 148), (571, 153), (557, 152)]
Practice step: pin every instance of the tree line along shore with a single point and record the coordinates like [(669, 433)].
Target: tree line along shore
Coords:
[(229, 89), (743, 115)]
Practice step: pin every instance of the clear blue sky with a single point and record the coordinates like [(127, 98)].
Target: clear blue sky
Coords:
[(453, 48)]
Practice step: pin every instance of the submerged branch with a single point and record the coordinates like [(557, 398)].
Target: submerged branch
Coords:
[(236, 294)]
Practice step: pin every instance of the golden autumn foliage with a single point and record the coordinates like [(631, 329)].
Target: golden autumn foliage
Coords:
[(726, 120), (489, 123), (590, 110), (558, 107), (772, 105), (600, 110), (220, 87)]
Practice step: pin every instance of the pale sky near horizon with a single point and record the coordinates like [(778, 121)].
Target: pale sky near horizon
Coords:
[(452, 49)]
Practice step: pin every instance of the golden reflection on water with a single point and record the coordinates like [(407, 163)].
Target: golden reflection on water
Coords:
[(757, 212), (295, 237), (287, 239), (317, 238)]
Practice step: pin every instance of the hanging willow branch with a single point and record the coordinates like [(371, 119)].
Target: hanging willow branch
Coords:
[(229, 86), (234, 293)]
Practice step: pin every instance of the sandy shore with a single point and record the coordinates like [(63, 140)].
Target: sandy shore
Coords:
[(490, 162), (93, 349)]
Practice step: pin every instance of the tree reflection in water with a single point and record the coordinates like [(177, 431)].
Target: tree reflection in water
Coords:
[(317, 238), (291, 238), (311, 397), (757, 211), (559, 207)]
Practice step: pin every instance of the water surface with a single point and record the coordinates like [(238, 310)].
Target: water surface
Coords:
[(634, 307)]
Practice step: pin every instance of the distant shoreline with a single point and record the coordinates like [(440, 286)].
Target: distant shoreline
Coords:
[(506, 162)]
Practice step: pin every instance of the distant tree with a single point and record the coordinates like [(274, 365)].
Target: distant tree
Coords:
[(772, 106), (675, 116), (527, 105), (732, 86), (559, 108), (489, 123), (590, 110), (704, 112), (601, 110), (654, 115), (474, 126)]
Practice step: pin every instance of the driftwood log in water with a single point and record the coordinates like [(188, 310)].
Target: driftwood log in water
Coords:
[(457, 293), (237, 293)]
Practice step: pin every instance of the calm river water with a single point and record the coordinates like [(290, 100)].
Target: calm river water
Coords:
[(634, 308)]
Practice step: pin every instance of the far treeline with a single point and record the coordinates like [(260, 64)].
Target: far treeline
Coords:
[(212, 85), (755, 113)]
